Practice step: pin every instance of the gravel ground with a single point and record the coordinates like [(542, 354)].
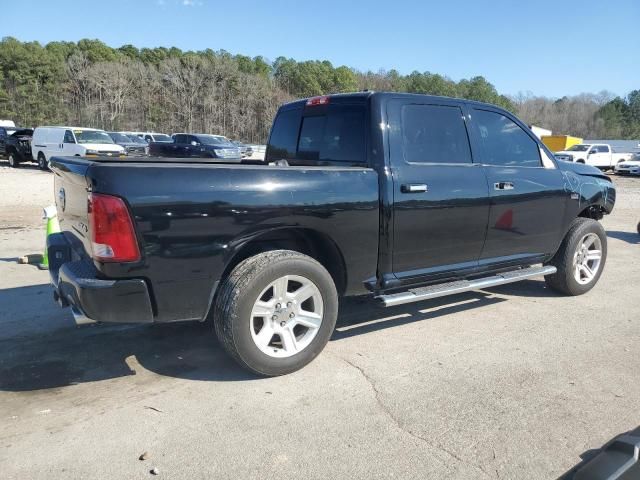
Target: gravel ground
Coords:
[(513, 382)]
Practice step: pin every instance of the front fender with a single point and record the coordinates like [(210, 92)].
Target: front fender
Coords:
[(588, 187)]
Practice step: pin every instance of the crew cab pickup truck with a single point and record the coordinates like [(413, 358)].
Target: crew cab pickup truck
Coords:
[(599, 155), (402, 197), (197, 145)]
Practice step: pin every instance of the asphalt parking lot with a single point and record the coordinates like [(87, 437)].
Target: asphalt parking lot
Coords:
[(513, 382)]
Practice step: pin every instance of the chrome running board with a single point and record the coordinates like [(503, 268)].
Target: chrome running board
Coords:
[(451, 288)]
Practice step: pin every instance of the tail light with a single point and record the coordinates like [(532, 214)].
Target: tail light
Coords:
[(113, 238), (315, 101)]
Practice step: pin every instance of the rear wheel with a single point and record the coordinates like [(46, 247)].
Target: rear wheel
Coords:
[(42, 161), (580, 259), (13, 161), (276, 311)]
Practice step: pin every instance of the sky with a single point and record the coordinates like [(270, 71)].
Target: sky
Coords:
[(546, 47)]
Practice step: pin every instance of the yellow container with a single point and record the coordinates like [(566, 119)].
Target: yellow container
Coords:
[(557, 143)]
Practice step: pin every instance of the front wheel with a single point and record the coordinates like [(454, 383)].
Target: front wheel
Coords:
[(276, 311), (13, 161), (580, 259), (42, 161)]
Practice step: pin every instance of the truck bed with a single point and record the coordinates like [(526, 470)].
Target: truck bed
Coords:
[(192, 215)]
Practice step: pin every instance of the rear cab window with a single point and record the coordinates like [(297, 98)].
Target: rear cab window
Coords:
[(333, 134)]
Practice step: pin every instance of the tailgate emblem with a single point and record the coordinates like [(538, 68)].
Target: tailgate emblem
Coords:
[(62, 198)]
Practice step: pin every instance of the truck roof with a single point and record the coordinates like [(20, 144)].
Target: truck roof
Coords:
[(364, 95)]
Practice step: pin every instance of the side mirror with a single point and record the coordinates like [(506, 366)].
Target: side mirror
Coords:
[(592, 152)]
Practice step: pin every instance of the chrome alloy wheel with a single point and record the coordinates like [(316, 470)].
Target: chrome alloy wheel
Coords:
[(286, 316), (587, 258)]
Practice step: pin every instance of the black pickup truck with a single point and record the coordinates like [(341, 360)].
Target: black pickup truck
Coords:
[(197, 145), (17, 147), (402, 197)]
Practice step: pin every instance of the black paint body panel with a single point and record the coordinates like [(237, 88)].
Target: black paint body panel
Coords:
[(193, 216)]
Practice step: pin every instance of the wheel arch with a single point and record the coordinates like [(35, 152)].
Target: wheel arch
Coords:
[(595, 211), (316, 244)]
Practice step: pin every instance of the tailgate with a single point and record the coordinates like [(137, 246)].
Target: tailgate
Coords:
[(71, 194)]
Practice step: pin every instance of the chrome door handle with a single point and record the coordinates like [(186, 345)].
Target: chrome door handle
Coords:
[(413, 188), (503, 186)]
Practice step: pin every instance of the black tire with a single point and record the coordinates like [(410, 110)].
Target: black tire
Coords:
[(13, 161), (42, 161), (564, 280), (236, 297)]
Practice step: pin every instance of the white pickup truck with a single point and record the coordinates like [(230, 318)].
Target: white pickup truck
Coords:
[(599, 155)]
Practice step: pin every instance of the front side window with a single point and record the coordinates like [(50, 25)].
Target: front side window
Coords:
[(601, 149), (504, 143), (337, 136), (68, 137), (434, 134)]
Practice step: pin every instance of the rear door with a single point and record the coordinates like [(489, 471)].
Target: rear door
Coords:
[(528, 197), (440, 195)]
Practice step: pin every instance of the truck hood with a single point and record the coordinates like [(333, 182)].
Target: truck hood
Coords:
[(581, 169), (103, 147)]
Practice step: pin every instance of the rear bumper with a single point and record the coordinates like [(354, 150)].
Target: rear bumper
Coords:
[(77, 285)]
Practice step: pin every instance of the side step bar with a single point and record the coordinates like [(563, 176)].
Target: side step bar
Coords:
[(451, 288)]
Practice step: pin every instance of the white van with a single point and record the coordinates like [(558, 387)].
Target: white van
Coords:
[(71, 141)]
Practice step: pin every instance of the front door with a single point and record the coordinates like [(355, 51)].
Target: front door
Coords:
[(528, 197), (440, 196), (599, 156)]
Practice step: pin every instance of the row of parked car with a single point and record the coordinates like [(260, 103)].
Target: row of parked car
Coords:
[(20, 145)]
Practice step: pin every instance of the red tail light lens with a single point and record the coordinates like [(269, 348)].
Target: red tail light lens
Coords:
[(315, 101), (113, 238)]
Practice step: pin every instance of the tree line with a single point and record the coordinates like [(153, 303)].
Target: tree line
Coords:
[(87, 83)]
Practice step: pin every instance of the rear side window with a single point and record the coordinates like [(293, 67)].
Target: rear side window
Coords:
[(504, 142), (284, 136), (434, 134), (337, 136)]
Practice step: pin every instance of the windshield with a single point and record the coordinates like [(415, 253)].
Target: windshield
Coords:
[(92, 136), (119, 137), (25, 131), (214, 140), (579, 148), (161, 137)]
